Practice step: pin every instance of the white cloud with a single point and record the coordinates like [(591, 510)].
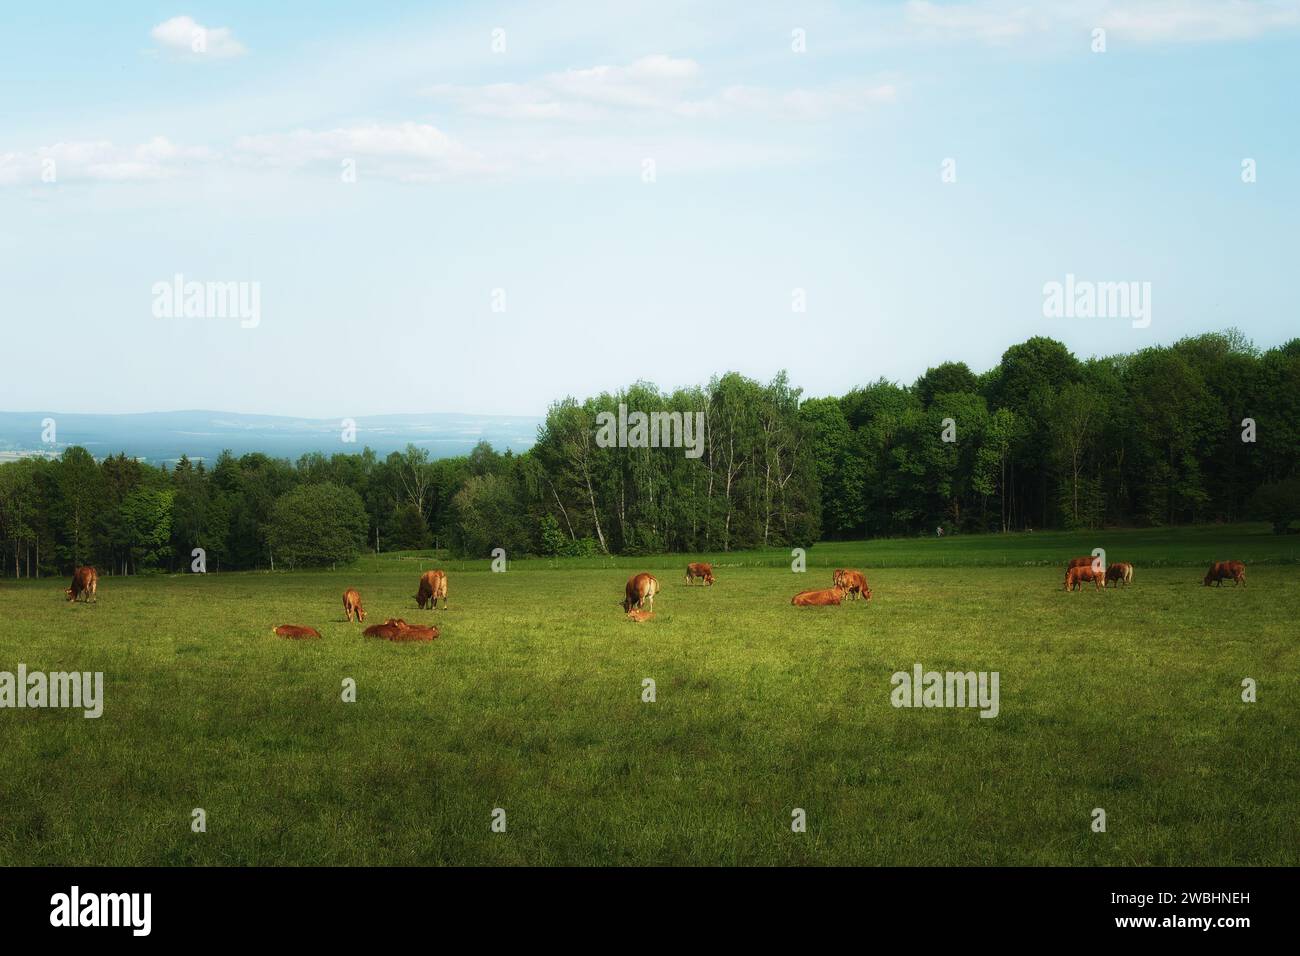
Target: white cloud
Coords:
[(187, 38), (1141, 21), (408, 151), (658, 84), (99, 160)]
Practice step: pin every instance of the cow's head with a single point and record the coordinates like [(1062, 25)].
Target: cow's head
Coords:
[(361, 613), (866, 593), (708, 577), (68, 593)]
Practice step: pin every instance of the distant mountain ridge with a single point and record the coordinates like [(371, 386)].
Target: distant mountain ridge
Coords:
[(159, 437)]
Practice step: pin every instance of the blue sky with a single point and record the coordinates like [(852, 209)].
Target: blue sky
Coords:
[(522, 169)]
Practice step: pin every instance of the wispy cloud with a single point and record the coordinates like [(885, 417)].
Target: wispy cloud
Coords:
[(186, 38), (660, 85), (101, 161), (405, 151), (1140, 21)]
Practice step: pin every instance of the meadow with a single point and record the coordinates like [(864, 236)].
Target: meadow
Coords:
[(532, 701)]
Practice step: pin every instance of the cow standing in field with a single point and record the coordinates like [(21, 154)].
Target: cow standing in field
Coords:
[(433, 586), (1222, 570), (294, 632), (822, 598), (641, 588), (853, 583), (1090, 561), (352, 605), (85, 581), (702, 571), (1078, 574), (1121, 573)]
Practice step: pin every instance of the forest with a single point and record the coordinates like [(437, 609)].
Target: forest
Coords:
[(1204, 430)]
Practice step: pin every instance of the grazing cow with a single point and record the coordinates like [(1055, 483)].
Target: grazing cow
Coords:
[(1077, 575), (820, 598), (1120, 572), (433, 585), (641, 588), (294, 632), (396, 629), (85, 581), (702, 571), (1221, 570), (639, 617), (1085, 562), (853, 582), (352, 605)]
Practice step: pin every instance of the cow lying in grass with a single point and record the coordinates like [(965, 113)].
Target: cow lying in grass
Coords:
[(822, 598), (1221, 571), (396, 629), (638, 617), (294, 632)]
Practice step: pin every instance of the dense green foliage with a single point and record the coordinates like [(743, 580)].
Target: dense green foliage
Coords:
[(1042, 441)]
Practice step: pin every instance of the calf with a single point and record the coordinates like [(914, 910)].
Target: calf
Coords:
[(641, 588), (352, 605), (85, 581), (1120, 572), (1077, 575), (396, 629), (1222, 570), (433, 586), (821, 598), (294, 632), (702, 571), (638, 617)]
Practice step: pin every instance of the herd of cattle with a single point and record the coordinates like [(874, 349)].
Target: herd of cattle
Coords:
[(639, 593)]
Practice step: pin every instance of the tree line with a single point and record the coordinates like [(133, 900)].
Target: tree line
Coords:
[(1207, 429)]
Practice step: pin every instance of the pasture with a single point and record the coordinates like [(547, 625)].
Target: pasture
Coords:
[(531, 701)]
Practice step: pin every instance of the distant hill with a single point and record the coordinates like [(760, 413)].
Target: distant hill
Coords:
[(160, 437)]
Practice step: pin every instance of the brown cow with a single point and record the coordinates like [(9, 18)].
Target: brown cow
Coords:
[(639, 617), (821, 598), (396, 629), (854, 582), (641, 588), (294, 632), (1085, 562), (1077, 575), (85, 581), (352, 605), (1120, 572), (702, 571), (433, 585), (1220, 570)]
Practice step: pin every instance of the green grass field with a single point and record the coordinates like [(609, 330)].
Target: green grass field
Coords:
[(1128, 700)]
